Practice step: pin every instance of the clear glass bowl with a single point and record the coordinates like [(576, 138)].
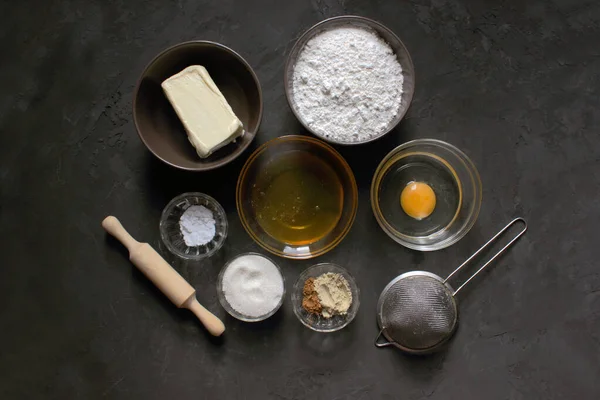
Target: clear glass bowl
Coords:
[(408, 69), (315, 321), (454, 180), (258, 167), (231, 310), (170, 231)]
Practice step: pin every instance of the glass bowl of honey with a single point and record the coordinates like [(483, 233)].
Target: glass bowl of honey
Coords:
[(296, 197), (426, 194)]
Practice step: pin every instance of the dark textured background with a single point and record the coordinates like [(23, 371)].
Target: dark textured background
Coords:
[(513, 83)]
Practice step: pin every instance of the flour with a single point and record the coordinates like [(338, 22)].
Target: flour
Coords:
[(197, 225), (347, 84)]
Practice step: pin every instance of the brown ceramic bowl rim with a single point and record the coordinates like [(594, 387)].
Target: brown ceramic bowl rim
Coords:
[(250, 161), (183, 44), (350, 19)]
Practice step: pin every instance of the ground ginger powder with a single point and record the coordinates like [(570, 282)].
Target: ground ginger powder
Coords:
[(334, 294)]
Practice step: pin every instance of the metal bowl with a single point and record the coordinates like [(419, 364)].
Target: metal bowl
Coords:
[(408, 70)]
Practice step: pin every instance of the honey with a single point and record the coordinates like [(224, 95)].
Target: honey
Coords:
[(297, 198)]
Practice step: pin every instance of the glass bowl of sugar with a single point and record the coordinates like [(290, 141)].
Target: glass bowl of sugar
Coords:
[(251, 287), (193, 226)]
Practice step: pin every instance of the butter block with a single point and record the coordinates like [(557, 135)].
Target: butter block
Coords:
[(208, 119)]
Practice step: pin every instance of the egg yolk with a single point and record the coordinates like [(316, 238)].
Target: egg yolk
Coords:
[(417, 200)]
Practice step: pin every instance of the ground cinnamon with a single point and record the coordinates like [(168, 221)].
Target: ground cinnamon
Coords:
[(310, 300)]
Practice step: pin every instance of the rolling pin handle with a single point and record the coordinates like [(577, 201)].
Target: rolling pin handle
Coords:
[(113, 226)]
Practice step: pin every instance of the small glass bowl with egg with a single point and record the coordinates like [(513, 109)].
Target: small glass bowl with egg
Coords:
[(426, 194)]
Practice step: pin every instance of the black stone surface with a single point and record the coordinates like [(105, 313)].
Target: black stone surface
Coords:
[(513, 84)]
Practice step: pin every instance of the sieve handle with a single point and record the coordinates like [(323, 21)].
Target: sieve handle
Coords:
[(485, 246), (382, 344)]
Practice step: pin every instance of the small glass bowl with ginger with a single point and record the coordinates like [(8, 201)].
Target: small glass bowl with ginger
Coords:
[(314, 320)]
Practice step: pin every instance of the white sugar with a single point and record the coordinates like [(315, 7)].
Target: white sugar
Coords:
[(252, 285)]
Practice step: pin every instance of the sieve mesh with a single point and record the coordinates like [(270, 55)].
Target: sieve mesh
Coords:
[(418, 312)]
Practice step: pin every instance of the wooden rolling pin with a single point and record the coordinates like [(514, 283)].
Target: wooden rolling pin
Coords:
[(177, 289)]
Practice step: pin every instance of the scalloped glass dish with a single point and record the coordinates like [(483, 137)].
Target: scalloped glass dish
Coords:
[(170, 231)]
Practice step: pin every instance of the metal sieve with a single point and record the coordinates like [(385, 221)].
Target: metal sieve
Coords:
[(417, 310)]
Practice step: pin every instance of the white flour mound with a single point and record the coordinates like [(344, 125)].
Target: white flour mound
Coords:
[(347, 84)]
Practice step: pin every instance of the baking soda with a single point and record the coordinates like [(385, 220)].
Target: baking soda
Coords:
[(197, 225)]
